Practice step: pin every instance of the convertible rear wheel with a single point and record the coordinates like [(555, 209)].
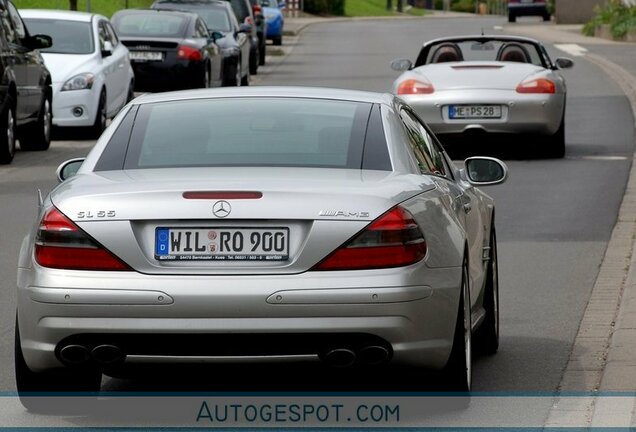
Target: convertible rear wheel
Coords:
[(555, 145), (459, 368), (62, 380), (488, 334)]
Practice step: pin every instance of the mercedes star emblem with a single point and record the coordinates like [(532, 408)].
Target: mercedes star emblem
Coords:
[(221, 209)]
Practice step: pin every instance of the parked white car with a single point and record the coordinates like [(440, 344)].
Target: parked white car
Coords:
[(90, 67)]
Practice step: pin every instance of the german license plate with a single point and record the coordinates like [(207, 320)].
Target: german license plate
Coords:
[(221, 244), (474, 111), (145, 56)]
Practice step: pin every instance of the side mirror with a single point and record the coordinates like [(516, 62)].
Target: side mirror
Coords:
[(401, 65), (107, 51), (564, 63), (245, 28), (484, 171), (216, 35), (40, 41), (68, 169)]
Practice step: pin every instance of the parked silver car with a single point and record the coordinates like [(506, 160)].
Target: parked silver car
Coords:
[(496, 84), (270, 224)]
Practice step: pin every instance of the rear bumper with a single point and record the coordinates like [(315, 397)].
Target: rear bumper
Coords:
[(167, 76), (532, 114), (416, 321)]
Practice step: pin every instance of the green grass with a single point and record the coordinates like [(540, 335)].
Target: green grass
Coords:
[(104, 7), (355, 8)]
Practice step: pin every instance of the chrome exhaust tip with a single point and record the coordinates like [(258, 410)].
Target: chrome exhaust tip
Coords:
[(107, 354), (74, 354), (374, 355), (340, 357)]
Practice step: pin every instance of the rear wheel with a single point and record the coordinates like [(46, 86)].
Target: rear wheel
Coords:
[(459, 368), (555, 144), (278, 40), (511, 17), (7, 139), (488, 334), (546, 16), (261, 55), (254, 61), (245, 81), (56, 381), (38, 136)]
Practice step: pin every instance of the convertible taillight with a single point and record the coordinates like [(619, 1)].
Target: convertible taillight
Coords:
[(540, 85), (392, 240), (413, 86), (185, 52), (61, 244)]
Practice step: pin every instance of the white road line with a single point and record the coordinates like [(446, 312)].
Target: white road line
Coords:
[(572, 49)]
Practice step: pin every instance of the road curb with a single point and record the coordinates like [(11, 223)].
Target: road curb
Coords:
[(598, 359)]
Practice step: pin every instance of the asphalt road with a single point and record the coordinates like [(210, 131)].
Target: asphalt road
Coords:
[(554, 217)]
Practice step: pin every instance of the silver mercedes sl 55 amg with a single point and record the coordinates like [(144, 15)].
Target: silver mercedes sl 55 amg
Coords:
[(494, 84), (259, 224)]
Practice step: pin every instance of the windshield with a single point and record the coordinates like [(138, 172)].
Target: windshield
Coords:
[(69, 37), (249, 132), (159, 24)]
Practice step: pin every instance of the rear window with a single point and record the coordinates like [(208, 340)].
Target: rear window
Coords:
[(158, 24), (249, 132), (216, 18), (69, 37)]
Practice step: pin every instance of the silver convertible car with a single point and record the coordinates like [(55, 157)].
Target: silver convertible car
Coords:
[(259, 224), (494, 84)]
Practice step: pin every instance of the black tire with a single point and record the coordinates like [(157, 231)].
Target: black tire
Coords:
[(278, 40), (555, 145), (55, 381), (512, 17), (7, 132), (254, 61), (38, 137), (232, 75), (488, 334), (131, 92), (458, 370), (546, 16), (99, 124)]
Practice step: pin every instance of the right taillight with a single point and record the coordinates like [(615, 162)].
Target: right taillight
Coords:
[(185, 52), (392, 240), (540, 85), (61, 244)]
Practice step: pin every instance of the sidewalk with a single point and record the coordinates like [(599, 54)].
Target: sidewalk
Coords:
[(604, 352)]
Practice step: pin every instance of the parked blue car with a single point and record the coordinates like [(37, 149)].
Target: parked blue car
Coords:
[(272, 9)]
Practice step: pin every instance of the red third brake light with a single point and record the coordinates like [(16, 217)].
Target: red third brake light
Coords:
[(185, 52), (392, 240), (541, 85), (61, 244)]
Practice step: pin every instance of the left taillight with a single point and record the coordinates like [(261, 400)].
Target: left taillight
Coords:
[(61, 244), (185, 52), (392, 240), (413, 86), (540, 85)]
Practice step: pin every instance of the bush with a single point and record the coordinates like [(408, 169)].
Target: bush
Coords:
[(618, 16), (325, 7), (463, 5)]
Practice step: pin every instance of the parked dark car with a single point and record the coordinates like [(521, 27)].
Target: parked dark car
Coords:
[(261, 29), (25, 86), (244, 14), (235, 45), (169, 49), (517, 8)]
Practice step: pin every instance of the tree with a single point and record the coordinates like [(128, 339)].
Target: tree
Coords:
[(389, 4), (73, 5), (400, 5)]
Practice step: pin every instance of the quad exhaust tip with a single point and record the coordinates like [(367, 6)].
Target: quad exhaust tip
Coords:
[(107, 354), (340, 357), (374, 355), (75, 354)]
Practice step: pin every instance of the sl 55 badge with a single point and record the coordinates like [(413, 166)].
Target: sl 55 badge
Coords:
[(100, 214)]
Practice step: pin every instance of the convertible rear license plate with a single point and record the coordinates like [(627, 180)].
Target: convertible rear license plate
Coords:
[(221, 244), (474, 111), (145, 56)]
